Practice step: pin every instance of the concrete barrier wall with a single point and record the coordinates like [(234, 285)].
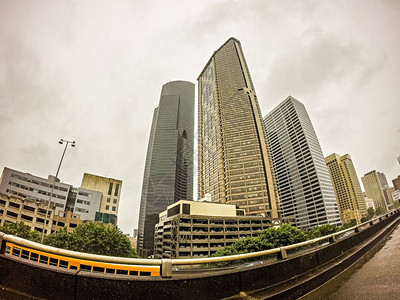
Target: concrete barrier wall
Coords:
[(39, 281), (24, 278)]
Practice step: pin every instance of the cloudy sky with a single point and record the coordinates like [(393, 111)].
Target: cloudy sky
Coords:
[(92, 71)]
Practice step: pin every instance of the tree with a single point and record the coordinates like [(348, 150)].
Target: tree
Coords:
[(322, 230), (282, 236), (59, 239), (272, 237), (353, 222), (21, 230), (379, 211), (369, 216), (95, 238), (370, 212)]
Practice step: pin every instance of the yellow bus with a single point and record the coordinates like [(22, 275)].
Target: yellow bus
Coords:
[(80, 264)]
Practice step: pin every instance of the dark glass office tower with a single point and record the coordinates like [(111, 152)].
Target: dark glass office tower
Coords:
[(233, 163), (168, 174)]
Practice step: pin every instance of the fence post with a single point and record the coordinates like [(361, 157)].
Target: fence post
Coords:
[(282, 254), (166, 267), (2, 243), (332, 239)]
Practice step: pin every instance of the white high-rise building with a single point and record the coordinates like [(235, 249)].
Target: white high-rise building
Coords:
[(304, 186)]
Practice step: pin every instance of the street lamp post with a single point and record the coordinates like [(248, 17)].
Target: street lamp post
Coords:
[(54, 181)]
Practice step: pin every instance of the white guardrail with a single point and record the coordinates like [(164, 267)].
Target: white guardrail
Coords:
[(166, 264)]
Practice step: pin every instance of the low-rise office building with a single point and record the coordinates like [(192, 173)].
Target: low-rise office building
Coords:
[(35, 188), (14, 209), (66, 219), (84, 202), (191, 228), (110, 189), (87, 203), (396, 198)]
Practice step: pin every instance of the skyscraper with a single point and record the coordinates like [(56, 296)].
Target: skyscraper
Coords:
[(374, 183), (168, 173), (347, 187), (233, 160), (304, 187)]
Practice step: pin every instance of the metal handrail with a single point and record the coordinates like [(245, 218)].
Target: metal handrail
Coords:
[(80, 255), (196, 261), (182, 261)]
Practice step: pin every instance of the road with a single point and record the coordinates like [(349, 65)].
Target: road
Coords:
[(378, 278)]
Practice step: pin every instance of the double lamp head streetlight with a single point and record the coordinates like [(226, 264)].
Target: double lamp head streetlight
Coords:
[(61, 141)]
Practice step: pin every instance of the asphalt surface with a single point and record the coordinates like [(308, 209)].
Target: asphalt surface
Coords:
[(378, 278)]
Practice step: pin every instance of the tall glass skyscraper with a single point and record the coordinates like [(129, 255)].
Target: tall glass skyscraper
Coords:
[(233, 159), (304, 186), (168, 174)]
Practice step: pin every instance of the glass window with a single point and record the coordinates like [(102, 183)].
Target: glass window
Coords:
[(116, 189), (110, 188)]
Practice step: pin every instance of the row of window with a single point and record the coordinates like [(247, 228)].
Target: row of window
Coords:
[(114, 200), (39, 182), (31, 189), (113, 208), (116, 191)]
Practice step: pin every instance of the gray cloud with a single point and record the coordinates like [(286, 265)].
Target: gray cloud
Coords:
[(92, 72), (317, 61)]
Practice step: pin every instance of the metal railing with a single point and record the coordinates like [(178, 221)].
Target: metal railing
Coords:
[(78, 255), (166, 264)]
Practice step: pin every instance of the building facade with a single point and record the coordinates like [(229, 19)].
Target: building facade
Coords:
[(75, 204), (396, 198), (110, 189), (35, 188), (372, 182), (233, 159), (369, 202), (387, 191), (396, 183), (66, 220), (15, 209), (168, 174), (193, 229), (86, 203), (106, 218), (347, 188), (304, 186)]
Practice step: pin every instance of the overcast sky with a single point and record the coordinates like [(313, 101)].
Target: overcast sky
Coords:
[(92, 71)]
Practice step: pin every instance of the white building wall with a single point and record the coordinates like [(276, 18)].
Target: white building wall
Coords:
[(87, 203), (36, 188)]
